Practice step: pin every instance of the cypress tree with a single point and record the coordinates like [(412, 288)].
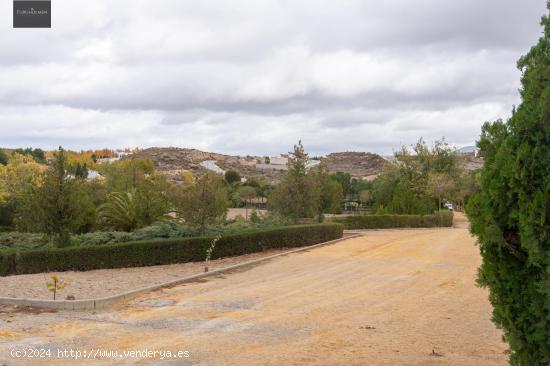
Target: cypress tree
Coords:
[(510, 215)]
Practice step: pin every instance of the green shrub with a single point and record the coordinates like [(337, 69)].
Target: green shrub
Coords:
[(167, 251), (5, 229), (161, 230), (438, 219), (17, 240), (510, 215), (7, 262)]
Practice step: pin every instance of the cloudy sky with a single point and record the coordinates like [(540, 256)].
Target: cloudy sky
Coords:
[(254, 76)]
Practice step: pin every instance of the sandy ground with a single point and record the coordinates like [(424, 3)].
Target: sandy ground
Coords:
[(396, 297), (107, 282)]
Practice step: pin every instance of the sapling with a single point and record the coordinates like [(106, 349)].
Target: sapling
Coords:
[(55, 284), (209, 251)]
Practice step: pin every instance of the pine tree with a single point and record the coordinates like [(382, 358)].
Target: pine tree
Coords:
[(57, 207), (511, 213), (298, 195)]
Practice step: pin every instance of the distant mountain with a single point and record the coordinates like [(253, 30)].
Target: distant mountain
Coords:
[(360, 165), (173, 161)]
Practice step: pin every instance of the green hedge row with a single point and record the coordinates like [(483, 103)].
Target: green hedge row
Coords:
[(166, 251), (438, 219)]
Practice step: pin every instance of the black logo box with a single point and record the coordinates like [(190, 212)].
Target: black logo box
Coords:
[(32, 14)]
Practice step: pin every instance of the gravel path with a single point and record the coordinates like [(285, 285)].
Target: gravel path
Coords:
[(397, 297)]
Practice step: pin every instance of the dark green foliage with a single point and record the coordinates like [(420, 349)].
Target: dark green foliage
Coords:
[(254, 217), (4, 157), (330, 191), (7, 213), (205, 202), (161, 230), (396, 197), (7, 262), (439, 219), (148, 253), (148, 202), (58, 207), (260, 184), (81, 171), (298, 194), (345, 182), (23, 241), (510, 215), (232, 176), (404, 186), (126, 174), (37, 154)]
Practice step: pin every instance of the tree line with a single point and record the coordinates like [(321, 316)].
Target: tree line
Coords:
[(58, 200)]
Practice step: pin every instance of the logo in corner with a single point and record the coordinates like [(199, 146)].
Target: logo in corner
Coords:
[(32, 14)]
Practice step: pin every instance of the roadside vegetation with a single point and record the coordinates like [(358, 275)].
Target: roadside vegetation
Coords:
[(47, 199), (55, 217), (437, 219), (419, 180), (510, 215), (64, 199), (165, 251)]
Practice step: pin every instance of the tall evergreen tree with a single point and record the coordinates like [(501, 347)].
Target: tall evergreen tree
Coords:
[(330, 191), (58, 206), (511, 213), (297, 196)]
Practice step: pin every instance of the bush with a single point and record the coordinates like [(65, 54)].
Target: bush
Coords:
[(7, 262), (438, 219), (17, 240), (168, 251), (160, 230), (510, 215), (5, 229)]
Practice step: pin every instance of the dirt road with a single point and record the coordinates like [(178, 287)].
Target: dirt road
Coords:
[(395, 297)]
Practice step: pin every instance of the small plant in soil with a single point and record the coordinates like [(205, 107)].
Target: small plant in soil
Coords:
[(209, 251), (55, 284)]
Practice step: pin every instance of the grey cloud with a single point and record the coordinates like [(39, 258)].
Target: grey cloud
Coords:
[(344, 75)]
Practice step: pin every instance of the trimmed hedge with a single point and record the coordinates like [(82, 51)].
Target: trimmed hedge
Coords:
[(438, 219), (166, 251), (7, 262)]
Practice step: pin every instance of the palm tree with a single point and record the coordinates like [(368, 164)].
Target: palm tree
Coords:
[(120, 212)]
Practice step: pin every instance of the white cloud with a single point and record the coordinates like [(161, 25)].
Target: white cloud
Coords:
[(255, 78)]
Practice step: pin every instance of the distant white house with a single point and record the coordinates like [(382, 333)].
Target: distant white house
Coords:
[(92, 175), (278, 160), (275, 163), (120, 155), (107, 160), (280, 163)]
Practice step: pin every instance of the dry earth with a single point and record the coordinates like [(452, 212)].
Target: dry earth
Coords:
[(107, 282), (396, 297)]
